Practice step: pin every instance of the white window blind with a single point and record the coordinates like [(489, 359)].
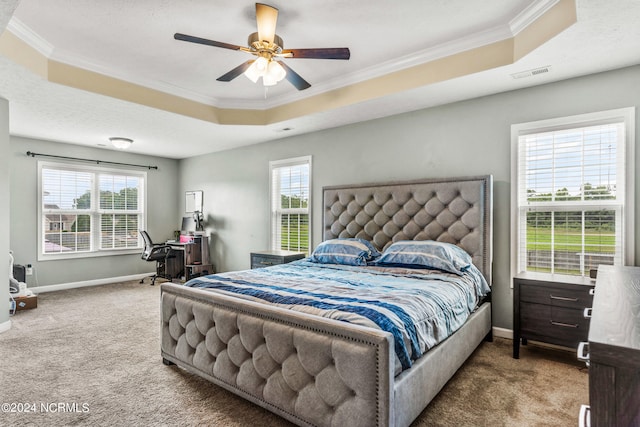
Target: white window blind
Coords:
[(89, 211), (572, 199), (66, 203), (119, 211), (290, 204)]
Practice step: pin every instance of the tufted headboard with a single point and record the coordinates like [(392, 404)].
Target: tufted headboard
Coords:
[(453, 210)]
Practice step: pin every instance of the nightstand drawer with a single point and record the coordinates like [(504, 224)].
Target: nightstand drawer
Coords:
[(258, 261), (269, 258), (561, 326), (569, 298)]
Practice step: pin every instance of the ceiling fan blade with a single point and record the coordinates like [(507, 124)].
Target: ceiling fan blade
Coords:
[(327, 53), (235, 72), (295, 78), (266, 18), (192, 39)]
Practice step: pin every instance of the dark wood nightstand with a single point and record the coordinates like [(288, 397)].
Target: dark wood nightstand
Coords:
[(275, 257), (551, 310)]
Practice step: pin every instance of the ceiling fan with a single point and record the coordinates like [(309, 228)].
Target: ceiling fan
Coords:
[(268, 47)]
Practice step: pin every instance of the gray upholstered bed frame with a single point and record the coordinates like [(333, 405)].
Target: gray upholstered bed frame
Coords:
[(316, 371)]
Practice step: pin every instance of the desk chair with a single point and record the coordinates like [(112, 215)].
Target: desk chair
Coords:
[(156, 253)]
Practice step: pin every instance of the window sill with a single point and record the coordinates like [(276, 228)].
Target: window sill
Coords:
[(107, 253)]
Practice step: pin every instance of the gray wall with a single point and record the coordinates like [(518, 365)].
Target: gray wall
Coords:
[(460, 139), (162, 196), (4, 211)]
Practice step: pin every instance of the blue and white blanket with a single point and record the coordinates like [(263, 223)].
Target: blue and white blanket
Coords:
[(420, 308)]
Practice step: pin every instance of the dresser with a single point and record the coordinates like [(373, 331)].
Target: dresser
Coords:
[(274, 257), (554, 311), (614, 350)]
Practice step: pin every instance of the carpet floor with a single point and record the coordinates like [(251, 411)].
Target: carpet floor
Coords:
[(91, 356)]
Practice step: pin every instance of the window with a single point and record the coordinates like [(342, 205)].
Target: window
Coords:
[(89, 211), (290, 204), (573, 195)]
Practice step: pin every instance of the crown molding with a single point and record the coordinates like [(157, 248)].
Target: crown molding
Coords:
[(30, 37), (77, 61), (472, 41), (429, 54), (52, 53), (482, 38), (530, 14)]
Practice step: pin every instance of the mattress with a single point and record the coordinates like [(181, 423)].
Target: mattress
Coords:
[(419, 307)]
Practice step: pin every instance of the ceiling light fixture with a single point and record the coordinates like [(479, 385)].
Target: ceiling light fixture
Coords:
[(121, 143), (265, 66)]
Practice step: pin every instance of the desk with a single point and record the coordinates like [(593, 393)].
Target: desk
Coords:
[(194, 261)]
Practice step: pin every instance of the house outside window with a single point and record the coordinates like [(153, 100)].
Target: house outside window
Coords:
[(572, 193), (290, 204), (89, 211)]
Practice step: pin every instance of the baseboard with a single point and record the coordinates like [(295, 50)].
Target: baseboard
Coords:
[(5, 326), (502, 333), (85, 283)]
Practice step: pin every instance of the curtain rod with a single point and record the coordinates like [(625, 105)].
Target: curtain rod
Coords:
[(32, 154)]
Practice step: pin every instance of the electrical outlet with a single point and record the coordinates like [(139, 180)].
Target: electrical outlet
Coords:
[(29, 270)]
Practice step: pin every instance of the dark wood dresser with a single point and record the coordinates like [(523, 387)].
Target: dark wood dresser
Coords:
[(274, 257), (550, 310), (614, 349)]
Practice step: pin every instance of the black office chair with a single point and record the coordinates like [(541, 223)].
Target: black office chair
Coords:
[(159, 254)]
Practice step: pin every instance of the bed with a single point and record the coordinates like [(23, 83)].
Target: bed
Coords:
[(321, 371)]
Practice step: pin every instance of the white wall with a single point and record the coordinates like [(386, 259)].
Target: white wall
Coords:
[(162, 197), (4, 214), (6, 11), (461, 139)]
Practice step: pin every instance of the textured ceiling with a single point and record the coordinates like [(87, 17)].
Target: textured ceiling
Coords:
[(132, 42)]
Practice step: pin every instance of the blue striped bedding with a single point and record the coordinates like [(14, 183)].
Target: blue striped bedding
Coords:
[(420, 308)]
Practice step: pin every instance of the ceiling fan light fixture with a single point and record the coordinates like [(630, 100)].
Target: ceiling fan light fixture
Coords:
[(253, 73), (270, 71), (121, 143), (268, 81), (261, 65), (275, 72)]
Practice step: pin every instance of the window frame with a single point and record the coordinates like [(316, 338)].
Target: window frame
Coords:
[(274, 237), (94, 212), (623, 115)]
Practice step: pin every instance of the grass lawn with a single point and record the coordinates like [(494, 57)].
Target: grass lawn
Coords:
[(293, 235), (570, 241)]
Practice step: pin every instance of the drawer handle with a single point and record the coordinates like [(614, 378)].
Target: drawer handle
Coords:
[(585, 416), (592, 291), (583, 352), (564, 298), (266, 263), (587, 313), (564, 325)]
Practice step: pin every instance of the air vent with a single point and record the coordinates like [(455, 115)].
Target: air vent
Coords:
[(531, 73)]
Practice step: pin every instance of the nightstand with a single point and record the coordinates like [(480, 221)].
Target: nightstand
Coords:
[(275, 257), (554, 311)]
